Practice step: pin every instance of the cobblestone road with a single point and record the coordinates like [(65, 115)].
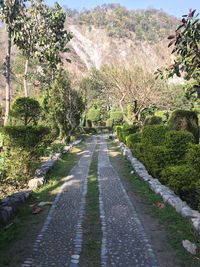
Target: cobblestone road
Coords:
[(124, 242), (59, 242)]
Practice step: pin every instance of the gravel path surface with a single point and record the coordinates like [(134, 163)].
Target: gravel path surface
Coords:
[(124, 242), (60, 240)]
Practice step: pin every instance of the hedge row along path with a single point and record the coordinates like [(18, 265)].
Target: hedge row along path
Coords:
[(124, 242)]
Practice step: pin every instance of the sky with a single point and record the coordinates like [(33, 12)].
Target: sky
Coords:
[(173, 7)]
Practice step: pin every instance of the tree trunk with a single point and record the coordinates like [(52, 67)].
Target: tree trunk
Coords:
[(7, 76), (26, 94)]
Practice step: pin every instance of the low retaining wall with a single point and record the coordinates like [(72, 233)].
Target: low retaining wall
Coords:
[(167, 194), (12, 203)]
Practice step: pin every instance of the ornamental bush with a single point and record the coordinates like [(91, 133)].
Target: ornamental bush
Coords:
[(156, 158), (23, 146), (182, 180), (133, 139), (129, 129), (154, 120), (193, 157), (116, 116), (26, 110), (94, 115), (154, 134), (178, 143), (185, 120), (24, 136), (109, 123)]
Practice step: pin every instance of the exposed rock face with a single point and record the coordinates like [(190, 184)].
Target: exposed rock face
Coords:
[(92, 48)]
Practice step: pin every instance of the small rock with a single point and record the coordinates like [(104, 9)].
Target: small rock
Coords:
[(189, 246), (35, 183), (132, 172), (42, 204)]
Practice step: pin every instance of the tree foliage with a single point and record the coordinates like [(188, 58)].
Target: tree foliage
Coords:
[(186, 47), (26, 110)]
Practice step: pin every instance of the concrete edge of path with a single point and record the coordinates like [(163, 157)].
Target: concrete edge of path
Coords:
[(167, 194), (11, 204)]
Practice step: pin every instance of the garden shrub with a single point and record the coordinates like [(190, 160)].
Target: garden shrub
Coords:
[(94, 115), (182, 179), (138, 151), (154, 134), (26, 110), (24, 136), (133, 139), (109, 123), (119, 132), (185, 120), (116, 116), (178, 143), (154, 120), (193, 157), (129, 129), (156, 158), (22, 148)]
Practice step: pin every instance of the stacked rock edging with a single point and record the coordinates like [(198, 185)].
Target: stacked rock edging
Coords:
[(167, 194), (11, 204)]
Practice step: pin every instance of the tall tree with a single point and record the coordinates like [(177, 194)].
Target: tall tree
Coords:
[(9, 13), (134, 89)]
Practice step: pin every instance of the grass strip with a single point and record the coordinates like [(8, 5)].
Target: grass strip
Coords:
[(91, 252)]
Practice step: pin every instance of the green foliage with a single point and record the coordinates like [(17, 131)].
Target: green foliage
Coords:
[(156, 158), (154, 134), (26, 110), (149, 24), (24, 136), (186, 46), (133, 139), (22, 145), (119, 132), (109, 123), (139, 151), (94, 115), (180, 178), (153, 120), (116, 116), (178, 142), (185, 120), (193, 157), (63, 105), (129, 129)]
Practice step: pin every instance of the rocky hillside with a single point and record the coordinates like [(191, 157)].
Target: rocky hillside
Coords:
[(112, 34)]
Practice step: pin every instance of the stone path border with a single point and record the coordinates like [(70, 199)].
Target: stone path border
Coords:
[(41, 258), (124, 242), (167, 194)]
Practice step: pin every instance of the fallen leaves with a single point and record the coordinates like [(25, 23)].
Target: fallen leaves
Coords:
[(159, 205)]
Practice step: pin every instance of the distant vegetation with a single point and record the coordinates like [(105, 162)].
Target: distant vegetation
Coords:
[(150, 24)]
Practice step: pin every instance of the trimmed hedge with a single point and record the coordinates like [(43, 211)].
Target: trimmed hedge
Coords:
[(154, 120), (185, 120), (178, 142), (154, 134), (183, 180), (24, 136), (133, 139), (193, 157), (109, 123), (129, 129)]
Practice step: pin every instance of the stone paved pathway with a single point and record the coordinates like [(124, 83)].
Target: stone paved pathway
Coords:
[(124, 242), (59, 242)]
